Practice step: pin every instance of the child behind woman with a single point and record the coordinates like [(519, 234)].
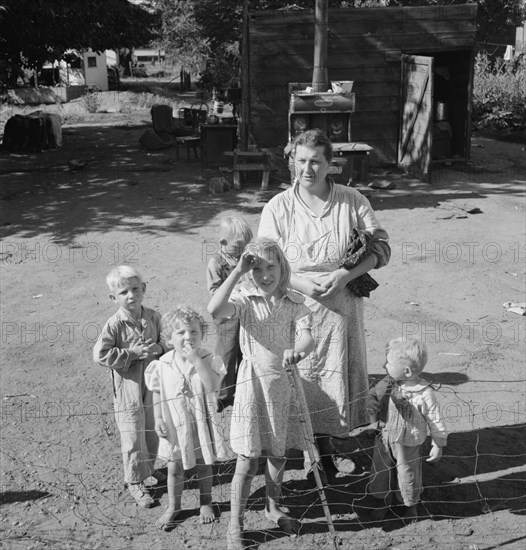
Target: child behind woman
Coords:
[(275, 331), (184, 383), (403, 406), (234, 235)]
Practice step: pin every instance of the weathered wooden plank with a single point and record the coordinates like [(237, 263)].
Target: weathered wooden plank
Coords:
[(463, 11), (340, 46), (373, 30)]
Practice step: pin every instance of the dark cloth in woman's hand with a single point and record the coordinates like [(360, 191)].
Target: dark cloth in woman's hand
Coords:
[(360, 247)]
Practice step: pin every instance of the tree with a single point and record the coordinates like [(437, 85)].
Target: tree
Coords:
[(181, 36), (33, 32)]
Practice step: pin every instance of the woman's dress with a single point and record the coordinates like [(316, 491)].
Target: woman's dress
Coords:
[(335, 374)]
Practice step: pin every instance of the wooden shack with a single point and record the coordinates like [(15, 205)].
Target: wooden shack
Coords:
[(412, 70)]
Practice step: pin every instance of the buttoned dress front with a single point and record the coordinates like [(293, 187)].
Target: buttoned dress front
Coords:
[(265, 421), (335, 374)]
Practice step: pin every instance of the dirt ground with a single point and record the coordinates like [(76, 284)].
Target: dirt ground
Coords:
[(64, 227)]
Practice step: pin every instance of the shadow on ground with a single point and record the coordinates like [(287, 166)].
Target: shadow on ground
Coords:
[(101, 179)]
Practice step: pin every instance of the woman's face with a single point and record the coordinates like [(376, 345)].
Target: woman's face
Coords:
[(311, 166)]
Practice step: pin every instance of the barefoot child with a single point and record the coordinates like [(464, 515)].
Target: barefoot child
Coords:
[(275, 330), (128, 342), (184, 382), (403, 406), (234, 235)]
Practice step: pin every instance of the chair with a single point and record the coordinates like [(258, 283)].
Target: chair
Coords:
[(163, 121), (191, 119)]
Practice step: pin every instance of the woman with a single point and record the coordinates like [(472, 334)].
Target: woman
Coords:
[(312, 222)]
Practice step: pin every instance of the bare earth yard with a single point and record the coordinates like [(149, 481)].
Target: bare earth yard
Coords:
[(63, 229)]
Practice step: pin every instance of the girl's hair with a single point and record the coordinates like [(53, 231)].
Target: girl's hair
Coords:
[(312, 139), (182, 314), (116, 275), (239, 227), (408, 349), (262, 246)]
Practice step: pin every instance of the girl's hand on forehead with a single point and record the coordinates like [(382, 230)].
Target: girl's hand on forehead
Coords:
[(248, 261)]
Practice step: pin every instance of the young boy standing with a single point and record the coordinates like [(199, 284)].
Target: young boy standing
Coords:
[(234, 235), (128, 342), (403, 407)]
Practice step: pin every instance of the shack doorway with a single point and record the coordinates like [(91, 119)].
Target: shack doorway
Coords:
[(435, 112)]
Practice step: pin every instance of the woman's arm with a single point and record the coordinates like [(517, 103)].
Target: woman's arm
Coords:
[(338, 279), (306, 285), (367, 220)]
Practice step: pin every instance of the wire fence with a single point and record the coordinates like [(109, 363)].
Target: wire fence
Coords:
[(481, 471)]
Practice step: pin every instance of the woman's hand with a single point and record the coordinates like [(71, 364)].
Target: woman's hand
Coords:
[(310, 287), (335, 282)]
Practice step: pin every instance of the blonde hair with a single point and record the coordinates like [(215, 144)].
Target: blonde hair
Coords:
[(410, 350), (181, 314), (237, 226), (260, 246), (117, 274)]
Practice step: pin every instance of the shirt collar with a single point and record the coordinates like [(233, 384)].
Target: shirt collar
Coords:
[(146, 315), (419, 385), (328, 202)]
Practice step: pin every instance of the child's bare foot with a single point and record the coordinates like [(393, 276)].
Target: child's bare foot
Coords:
[(234, 539), (168, 520), (280, 517), (207, 514)]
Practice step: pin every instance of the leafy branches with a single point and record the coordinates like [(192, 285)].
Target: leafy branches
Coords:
[(35, 31), (182, 37)]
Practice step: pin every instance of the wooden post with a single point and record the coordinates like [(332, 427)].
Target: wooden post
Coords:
[(245, 82), (320, 77)]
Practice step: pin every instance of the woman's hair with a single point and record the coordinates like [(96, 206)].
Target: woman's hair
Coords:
[(272, 250), (116, 275), (239, 227), (408, 349), (312, 139), (182, 314)]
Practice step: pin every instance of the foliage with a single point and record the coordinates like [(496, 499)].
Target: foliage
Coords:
[(499, 93), (33, 32), (182, 37), (92, 101)]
